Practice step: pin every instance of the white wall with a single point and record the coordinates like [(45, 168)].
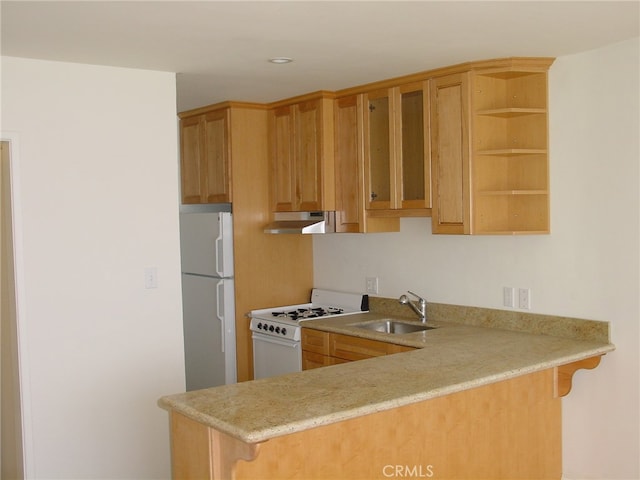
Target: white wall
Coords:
[(97, 202), (588, 267)]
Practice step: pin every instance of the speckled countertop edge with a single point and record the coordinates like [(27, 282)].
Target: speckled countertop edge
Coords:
[(451, 358)]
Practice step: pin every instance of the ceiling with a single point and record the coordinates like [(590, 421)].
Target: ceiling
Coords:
[(220, 50)]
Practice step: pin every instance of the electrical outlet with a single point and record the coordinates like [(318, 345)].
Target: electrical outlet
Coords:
[(508, 297), (151, 277), (372, 285), (524, 298)]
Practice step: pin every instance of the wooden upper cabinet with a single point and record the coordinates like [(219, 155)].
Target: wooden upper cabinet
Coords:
[(397, 165), (308, 136), (282, 170), (450, 125), (205, 158), (489, 137), (379, 145), (351, 214), (348, 164), (413, 148), (510, 166), (301, 151), (191, 163)]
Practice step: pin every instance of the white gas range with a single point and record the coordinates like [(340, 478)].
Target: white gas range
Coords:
[(276, 330)]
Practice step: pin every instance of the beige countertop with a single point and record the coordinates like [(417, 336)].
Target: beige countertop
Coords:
[(457, 355)]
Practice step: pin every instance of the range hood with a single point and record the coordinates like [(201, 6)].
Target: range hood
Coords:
[(302, 222)]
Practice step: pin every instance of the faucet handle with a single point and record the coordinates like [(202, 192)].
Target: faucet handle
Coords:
[(420, 299)]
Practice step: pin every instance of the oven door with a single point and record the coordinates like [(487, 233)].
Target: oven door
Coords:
[(275, 356)]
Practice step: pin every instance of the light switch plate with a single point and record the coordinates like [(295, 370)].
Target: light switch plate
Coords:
[(150, 277), (372, 285), (508, 297)]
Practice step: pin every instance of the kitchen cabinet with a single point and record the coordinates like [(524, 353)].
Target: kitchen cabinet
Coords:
[(301, 154), (205, 157), (351, 215), (490, 149), (397, 166), (321, 348), (450, 127), (510, 187)]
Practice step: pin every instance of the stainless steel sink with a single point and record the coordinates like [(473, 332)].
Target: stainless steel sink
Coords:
[(394, 326)]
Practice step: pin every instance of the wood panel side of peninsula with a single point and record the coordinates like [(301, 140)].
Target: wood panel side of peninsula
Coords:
[(510, 429)]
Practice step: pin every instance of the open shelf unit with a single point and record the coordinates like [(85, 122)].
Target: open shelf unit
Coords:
[(510, 163)]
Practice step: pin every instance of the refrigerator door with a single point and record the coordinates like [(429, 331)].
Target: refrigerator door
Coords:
[(209, 331), (206, 244)]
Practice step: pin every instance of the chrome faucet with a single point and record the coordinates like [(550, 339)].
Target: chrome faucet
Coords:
[(421, 309)]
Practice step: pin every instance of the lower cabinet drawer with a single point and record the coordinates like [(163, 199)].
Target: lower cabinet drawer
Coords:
[(355, 348), (320, 349)]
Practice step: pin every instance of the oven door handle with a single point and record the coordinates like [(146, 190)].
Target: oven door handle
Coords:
[(275, 340)]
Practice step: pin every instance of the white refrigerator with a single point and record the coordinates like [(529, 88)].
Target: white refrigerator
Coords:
[(208, 305)]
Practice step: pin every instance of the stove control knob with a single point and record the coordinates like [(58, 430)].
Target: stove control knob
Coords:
[(271, 329), (283, 331), (277, 329), (259, 326)]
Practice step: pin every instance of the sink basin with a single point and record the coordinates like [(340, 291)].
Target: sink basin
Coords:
[(394, 326)]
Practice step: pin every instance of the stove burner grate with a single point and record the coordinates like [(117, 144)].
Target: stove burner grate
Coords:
[(312, 312)]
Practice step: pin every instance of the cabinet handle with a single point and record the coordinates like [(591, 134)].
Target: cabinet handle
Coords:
[(374, 195)]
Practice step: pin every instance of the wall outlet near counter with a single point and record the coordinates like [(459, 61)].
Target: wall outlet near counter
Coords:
[(508, 297), (524, 298), (372, 285)]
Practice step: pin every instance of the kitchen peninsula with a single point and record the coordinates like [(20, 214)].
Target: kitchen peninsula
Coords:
[(479, 397)]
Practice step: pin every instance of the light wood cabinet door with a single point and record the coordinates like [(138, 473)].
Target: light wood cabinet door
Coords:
[(413, 146), (217, 153), (348, 164), (450, 127), (315, 341), (308, 159), (397, 165), (301, 137), (192, 180), (379, 146), (205, 168), (282, 151)]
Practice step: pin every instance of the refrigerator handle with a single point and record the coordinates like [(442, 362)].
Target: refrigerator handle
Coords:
[(220, 310), (218, 252)]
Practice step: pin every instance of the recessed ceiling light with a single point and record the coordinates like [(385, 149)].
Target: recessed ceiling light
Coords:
[(281, 60)]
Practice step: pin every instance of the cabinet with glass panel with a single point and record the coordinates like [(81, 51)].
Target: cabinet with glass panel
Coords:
[(397, 165)]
